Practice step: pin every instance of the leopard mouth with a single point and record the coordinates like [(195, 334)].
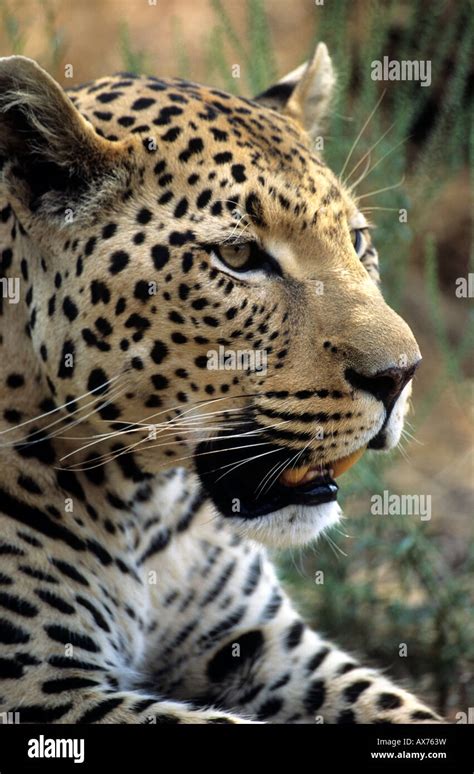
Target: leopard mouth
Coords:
[(245, 483), (296, 477)]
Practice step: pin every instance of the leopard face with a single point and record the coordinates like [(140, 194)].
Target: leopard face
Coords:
[(204, 282)]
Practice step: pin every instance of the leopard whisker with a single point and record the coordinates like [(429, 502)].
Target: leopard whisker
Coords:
[(367, 153), (382, 190), (59, 408), (354, 144)]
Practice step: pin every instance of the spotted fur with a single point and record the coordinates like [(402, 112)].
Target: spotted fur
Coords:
[(125, 594)]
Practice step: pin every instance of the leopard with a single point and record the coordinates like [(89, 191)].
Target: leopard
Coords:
[(148, 228)]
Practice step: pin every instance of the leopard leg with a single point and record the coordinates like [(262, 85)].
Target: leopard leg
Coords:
[(287, 673), (243, 646)]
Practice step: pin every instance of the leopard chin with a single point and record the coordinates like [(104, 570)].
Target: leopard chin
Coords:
[(294, 525)]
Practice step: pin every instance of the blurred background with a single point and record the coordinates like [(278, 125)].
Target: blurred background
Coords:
[(376, 582)]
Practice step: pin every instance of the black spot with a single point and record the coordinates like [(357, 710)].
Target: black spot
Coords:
[(159, 352), (316, 660), (165, 198), (109, 96), (103, 326), (387, 701), (352, 692), (158, 543), (96, 615), (10, 670), (118, 261), (57, 603), (195, 145), (187, 262), (180, 238), (14, 381), (100, 711), (142, 103), (138, 322), (165, 115), (223, 158), (120, 306), (89, 246), (12, 415), (18, 605), (423, 715), (345, 717), (253, 208), (295, 633), (12, 635), (144, 216), (224, 662), (165, 180), (69, 482), (159, 381), (172, 134), (269, 708), (273, 606), (315, 696), (99, 292), (141, 290), (69, 637), (160, 255), (109, 230), (183, 291), (126, 120), (37, 446), (103, 115), (181, 208), (60, 685), (98, 381), (204, 198), (219, 135), (346, 668), (238, 173), (70, 572), (29, 484)]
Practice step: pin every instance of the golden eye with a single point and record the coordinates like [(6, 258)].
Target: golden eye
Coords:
[(235, 256)]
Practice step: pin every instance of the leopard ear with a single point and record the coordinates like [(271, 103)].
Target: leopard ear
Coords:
[(305, 93), (51, 156)]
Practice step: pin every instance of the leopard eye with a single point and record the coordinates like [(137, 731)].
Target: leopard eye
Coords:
[(235, 256), (245, 258), (357, 239)]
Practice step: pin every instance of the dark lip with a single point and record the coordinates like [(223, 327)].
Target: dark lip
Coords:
[(233, 480)]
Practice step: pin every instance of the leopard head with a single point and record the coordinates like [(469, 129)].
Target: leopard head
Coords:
[(213, 282)]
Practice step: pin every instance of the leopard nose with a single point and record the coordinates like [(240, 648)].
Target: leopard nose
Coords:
[(385, 385)]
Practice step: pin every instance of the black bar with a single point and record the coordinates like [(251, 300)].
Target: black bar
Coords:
[(317, 748)]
